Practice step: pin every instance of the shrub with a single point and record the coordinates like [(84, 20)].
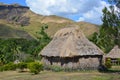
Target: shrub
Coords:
[(35, 67), (1, 63), (22, 66), (29, 59), (1, 68), (9, 66), (118, 61), (56, 68), (108, 63)]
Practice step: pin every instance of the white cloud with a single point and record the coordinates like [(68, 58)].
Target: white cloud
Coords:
[(85, 10), (94, 15)]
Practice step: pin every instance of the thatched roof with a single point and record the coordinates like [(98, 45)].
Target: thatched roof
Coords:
[(70, 42), (114, 53)]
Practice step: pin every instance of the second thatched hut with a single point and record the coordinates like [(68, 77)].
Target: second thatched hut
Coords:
[(114, 56), (71, 49)]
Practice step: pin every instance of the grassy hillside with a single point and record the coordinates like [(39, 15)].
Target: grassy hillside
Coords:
[(55, 23), (8, 32), (36, 21), (88, 28)]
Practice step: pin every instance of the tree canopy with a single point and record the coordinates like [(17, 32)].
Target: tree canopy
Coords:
[(13, 48), (109, 33)]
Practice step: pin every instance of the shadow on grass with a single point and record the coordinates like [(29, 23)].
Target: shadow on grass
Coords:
[(111, 70)]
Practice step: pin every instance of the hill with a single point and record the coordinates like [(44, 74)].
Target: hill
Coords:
[(8, 32), (88, 28), (22, 18)]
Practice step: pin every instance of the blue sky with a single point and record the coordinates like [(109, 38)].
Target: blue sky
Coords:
[(77, 10), (22, 2)]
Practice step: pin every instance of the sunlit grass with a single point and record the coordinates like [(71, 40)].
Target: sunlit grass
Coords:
[(49, 75)]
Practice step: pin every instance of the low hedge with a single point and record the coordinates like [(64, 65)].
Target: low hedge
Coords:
[(35, 67), (7, 67)]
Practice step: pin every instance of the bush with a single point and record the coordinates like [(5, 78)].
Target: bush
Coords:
[(1, 63), (56, 68), (108, 63), (35, 67), (1, 68), (22, 66), (118, 61), (9, 66), (29, 59)]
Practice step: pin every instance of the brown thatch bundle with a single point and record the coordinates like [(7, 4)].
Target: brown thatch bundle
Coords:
[(114, 53), (70, 42)]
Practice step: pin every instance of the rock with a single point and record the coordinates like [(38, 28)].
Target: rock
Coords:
[(14, 14)]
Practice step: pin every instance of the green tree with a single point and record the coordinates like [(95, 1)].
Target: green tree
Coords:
[(109, 33), (44, 39)]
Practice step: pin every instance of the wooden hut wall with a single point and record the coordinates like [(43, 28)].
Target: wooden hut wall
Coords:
[(84, 62)]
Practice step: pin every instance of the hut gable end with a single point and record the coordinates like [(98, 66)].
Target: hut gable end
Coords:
[(114, 53)]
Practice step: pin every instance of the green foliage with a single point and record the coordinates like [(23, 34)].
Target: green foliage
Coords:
[(56, 68), (11, 48), (1, 68), (103, 40), (118, 60), (9, 66), (35, 67), (22, 65), (2, 59), (109, 33), (1, 63), (44, 39), (29, 59), (108, 63)]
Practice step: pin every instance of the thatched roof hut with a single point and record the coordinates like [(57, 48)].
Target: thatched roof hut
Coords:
[(71, 49), (114, 53), (113, 56)]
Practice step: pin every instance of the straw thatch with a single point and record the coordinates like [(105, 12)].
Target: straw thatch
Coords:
[(71, 49), (70, 42), (114, 53)]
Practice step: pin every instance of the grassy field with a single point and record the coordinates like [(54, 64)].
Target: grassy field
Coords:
[(13, 75), (48, 75)]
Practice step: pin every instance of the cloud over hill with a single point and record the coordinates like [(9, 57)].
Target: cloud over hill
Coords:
[(79, 10)]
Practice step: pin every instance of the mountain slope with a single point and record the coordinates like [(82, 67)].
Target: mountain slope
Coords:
[(55, 23), (21, 18), (88, 28), (8, 32)]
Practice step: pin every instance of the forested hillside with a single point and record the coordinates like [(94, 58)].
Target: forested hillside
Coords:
[(21, 49)]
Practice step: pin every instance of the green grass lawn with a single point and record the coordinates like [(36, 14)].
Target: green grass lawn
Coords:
[(48, 75)]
